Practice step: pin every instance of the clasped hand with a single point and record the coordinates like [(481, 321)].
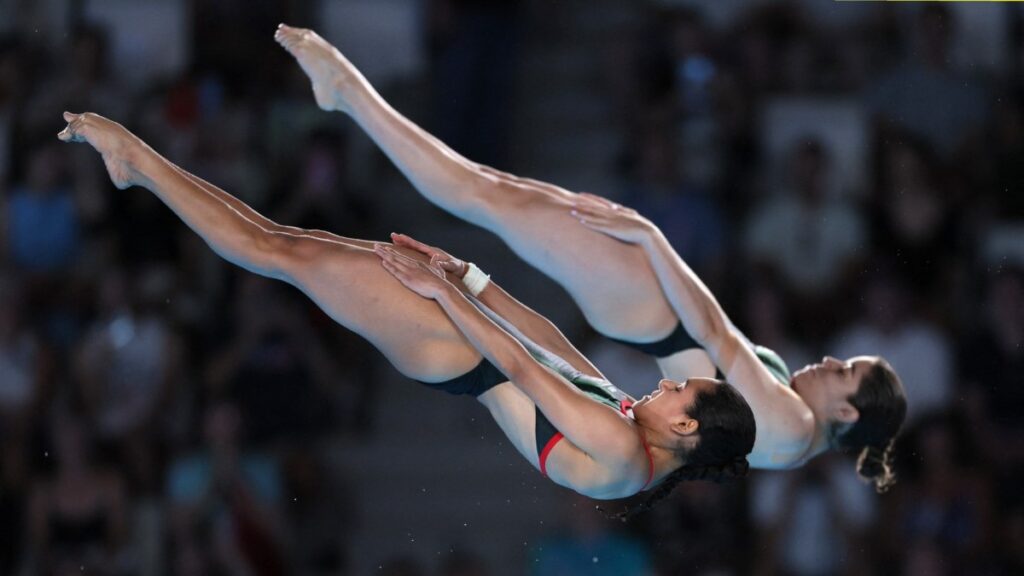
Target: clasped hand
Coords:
[(611, 219), (424, 278)]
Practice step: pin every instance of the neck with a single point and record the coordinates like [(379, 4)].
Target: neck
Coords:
[(820, 442), (666, 458)]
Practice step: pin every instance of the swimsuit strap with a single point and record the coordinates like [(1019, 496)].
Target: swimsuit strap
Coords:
[(625, 407), (650, 463)]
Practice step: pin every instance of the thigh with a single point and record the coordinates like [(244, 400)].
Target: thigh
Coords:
[(350, 285), (612, 282), (515, 414)]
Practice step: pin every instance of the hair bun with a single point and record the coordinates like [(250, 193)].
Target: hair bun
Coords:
[(871, 463), (875, 465)]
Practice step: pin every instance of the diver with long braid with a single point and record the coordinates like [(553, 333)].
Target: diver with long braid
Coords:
[(444, 323)]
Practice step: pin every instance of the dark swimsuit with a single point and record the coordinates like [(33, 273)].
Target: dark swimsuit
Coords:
[(480, 379), (680, 340), (677, 341)]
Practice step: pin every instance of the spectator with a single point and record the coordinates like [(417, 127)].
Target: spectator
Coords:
[(275, 366), (912, 217), (810, 239), (25, 363), (918, 350), (475, 45), (943, 499), (690, 217), (768, 323), (991, 361), (128, 361), (232, 496), (43, 219), (323, 198), (812, 521), (77, 519), (925, 96)]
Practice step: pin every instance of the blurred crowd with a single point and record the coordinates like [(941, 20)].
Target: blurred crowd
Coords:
[(844, 186)]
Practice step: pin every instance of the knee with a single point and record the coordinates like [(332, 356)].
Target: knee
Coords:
[(494, 196), (285, 254)]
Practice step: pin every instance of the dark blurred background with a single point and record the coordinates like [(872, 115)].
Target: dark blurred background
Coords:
[(846, 177)]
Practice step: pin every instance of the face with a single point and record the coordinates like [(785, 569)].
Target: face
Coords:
[(826, 386), (670, 403)]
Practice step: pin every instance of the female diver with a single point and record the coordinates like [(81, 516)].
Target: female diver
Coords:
[(629, 283), (613, 446)]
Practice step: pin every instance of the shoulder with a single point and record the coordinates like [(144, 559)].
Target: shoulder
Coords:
[(789, 445), (619, 472)]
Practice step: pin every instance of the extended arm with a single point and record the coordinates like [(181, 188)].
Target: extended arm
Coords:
[(534, 326), (592, 427)]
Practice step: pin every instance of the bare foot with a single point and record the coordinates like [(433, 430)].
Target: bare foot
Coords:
[(114, 142), (327, 68)]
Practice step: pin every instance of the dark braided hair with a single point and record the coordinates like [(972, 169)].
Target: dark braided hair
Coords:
[(726, 428), (882, 406)]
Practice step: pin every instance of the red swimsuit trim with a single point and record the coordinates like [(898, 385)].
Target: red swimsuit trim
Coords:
[(547, 450), (624, 407)]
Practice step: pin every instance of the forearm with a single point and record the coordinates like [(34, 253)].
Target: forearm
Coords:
[(700, 313), (512, 358), (493, 343), (535, 327)]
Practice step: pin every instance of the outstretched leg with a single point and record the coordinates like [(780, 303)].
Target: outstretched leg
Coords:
[(611, 281), (341, 275)]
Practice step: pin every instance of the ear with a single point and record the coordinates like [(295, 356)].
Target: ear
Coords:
[(845, 413), (684, 426)]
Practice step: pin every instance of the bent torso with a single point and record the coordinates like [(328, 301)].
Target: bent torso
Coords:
[(566, 465)]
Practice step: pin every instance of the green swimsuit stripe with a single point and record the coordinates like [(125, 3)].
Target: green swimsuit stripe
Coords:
[(774, 363)]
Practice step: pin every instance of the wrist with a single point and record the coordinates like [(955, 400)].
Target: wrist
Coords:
[(651, 235), (474, 279), (446, 293)]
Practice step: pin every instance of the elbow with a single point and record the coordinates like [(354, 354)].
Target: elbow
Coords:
[(515, 368), (711, 330), (519, 368)]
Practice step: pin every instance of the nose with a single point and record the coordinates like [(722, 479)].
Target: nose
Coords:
[(830, 361), (666, 384)]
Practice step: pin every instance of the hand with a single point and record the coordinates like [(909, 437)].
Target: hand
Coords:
[(442, 259), (427, 280), (611, 219)]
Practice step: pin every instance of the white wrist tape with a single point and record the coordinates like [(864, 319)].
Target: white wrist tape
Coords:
[(475, 280)]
